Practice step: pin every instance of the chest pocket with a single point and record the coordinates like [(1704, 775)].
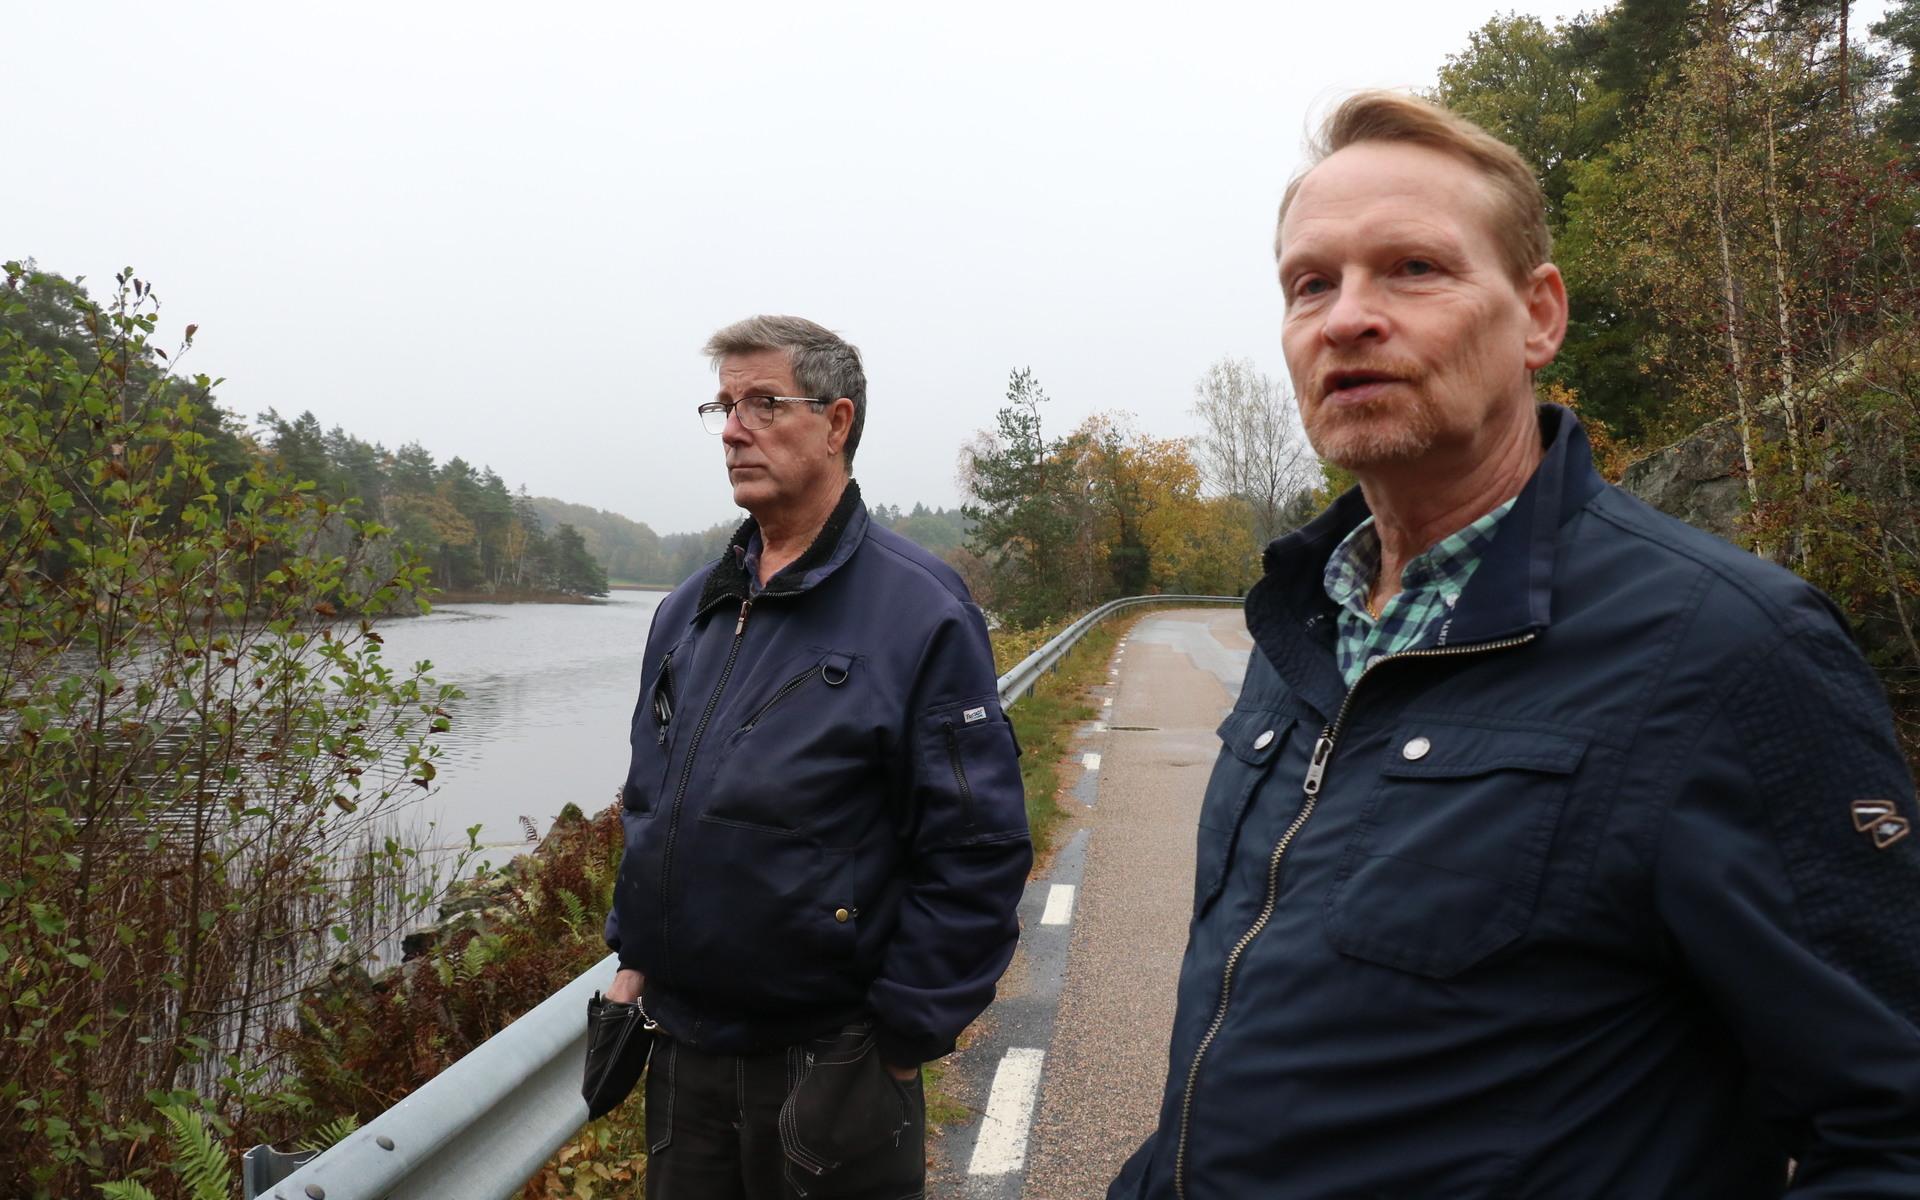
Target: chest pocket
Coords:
[(1249, 743), (800, 739), (1444, 867)]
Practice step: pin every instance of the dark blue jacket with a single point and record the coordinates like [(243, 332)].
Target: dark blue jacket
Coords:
[(1572, 902), (823, 812)]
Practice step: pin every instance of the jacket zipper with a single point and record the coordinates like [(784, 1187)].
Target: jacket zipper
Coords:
[(960, 777), (686, 775), (780, 695), (1310, 789)]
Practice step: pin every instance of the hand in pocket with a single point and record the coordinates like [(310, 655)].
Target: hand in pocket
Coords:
[(847, 1103)]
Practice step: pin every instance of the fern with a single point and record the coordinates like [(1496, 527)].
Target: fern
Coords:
[(199, 1160), (480, 950), (576, 911), (330, 1133)]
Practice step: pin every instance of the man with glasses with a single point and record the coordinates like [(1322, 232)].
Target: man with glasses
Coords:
[(826, 836)]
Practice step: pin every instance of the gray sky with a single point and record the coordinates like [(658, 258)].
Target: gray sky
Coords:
[(505, 233)]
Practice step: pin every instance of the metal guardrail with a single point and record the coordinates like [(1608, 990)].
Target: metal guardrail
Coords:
[(1020, 680), (482, 1127)]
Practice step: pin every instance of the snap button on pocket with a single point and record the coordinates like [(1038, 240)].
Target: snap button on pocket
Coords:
[(1263, 741), (1416, 749), (842, 915)]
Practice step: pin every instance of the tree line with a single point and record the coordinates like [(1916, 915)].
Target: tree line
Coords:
[(1061, 523), (635, 554), (475, 534)]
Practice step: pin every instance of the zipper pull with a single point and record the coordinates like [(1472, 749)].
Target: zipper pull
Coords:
[(1317, 769), (740, 626)]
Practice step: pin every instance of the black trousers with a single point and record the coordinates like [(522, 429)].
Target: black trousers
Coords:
[(821, 1119)]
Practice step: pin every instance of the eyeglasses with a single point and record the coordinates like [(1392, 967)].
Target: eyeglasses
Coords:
[(755, 412)]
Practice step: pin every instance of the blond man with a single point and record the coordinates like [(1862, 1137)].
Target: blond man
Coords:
[(1554, 849)]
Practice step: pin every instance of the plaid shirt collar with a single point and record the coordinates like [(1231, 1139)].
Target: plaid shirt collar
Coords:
[(1429, 588)]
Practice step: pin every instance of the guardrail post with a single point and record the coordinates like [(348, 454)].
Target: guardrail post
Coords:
[(264, 1166)]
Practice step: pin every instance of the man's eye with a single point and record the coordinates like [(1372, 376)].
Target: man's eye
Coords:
[(1312, 285), (1417, 266)]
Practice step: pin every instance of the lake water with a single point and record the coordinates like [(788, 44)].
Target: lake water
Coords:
[(549, 693)]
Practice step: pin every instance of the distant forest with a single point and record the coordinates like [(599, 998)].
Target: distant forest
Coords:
[(471, 532), (633, 553), (476, 536)]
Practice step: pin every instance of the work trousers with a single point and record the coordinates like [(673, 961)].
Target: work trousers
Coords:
[(824, 1119)]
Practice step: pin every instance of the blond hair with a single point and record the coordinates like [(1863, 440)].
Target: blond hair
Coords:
[(1520, 207)]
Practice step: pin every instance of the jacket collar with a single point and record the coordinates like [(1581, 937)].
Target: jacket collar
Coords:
[(845, 529), (1511, 592)]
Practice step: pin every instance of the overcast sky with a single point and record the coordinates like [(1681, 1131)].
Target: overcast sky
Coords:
[(505, 232)]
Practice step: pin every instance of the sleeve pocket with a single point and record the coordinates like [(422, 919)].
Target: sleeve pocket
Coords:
[(969, 773)]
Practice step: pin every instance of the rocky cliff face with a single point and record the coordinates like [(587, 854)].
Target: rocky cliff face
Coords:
[(1699, 479)]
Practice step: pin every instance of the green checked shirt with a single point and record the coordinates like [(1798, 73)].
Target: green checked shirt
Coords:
[(1429, 588)]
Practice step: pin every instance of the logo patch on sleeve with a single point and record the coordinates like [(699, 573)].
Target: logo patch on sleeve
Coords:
[(1867, 812), (1882, 820), (980, 714)]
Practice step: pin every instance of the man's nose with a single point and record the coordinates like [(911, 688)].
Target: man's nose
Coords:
[(733, 433), (1357, 314)]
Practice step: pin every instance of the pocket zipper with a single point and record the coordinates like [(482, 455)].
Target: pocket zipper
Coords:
[(785, 690), (959, 776)]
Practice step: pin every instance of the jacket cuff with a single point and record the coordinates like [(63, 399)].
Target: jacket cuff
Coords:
[(899, 1050)]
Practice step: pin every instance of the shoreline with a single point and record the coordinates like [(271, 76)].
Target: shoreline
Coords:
[(452, 596)]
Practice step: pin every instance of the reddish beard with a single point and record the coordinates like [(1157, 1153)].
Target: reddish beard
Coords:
[(1358, 434)]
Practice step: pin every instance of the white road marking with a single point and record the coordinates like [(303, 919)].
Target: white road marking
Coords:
[(1059, 908), (1002, 1148), (1090, 761)]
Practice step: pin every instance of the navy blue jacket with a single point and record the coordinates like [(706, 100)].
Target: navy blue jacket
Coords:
[(824, 816), (1574, 901)]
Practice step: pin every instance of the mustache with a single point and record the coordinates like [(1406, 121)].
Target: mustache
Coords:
[(1325, 381)]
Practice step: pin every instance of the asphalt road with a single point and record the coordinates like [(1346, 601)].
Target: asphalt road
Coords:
[(1088, 1003)]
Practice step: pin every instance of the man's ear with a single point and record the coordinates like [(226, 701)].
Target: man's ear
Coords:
[(1545, 293), (839, 424)]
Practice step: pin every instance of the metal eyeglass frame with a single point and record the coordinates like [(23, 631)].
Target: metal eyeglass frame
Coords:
[(725, 408)]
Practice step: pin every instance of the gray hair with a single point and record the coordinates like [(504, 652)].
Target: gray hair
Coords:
[(825, 365)]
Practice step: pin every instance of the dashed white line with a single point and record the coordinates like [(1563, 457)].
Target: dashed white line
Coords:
[(1090, 761), (1002, 1148), (1059, 908)]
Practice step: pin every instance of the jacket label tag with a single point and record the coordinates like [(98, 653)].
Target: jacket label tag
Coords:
[(974, 714)]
